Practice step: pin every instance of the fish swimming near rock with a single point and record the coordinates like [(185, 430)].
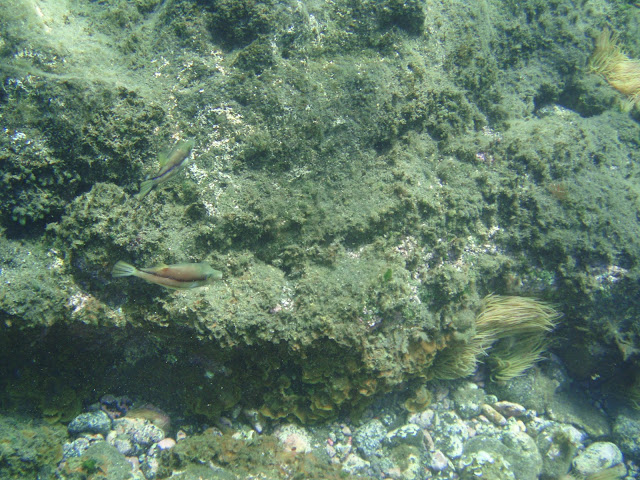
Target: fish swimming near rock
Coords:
[(151, 413), (170, 165), (180, 276)]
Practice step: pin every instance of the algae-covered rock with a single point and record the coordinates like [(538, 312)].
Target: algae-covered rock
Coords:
[(625, 432), (597, 457), (98, 459), (233, 458), (369, 437), (557, 445), (485, 464), (513, 455), (451, 433), (362, 174), (29, 449), (90, 422)]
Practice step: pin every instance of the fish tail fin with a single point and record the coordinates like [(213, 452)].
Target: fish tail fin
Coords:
[(145, 187), (123, 269)]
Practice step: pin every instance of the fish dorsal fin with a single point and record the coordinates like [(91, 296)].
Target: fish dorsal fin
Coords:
[(155, 270)]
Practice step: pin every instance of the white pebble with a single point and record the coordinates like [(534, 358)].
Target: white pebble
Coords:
[(166, 443)]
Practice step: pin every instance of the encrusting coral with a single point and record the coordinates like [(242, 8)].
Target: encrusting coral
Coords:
[(620, 71)]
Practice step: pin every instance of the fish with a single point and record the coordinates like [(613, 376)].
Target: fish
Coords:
[(151, 413), (170, 165), (180, 276)]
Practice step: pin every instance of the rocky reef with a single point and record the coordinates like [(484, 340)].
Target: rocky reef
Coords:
[(364, 174)]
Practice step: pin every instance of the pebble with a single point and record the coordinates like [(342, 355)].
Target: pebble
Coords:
[(509, 409), (343, 449), (466, 435), (438, 461), (428, 441), (493, 415), (331, 451), (449, 434), (408, 434), (626, 431), (137, 432), (483, 464), (354, 464), (424, 419), (75, 448), (596, 457), (369, 436), (166, 443), (293, 438), (254, 417), (123, 445), (150, 467), (90, 422), (442, 392)]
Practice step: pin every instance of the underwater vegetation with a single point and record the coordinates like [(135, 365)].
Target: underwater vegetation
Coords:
[(622, 73), (264, 457), (510, 330), (516, 328)]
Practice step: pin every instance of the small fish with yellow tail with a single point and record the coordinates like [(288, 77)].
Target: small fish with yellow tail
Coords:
[(170, 165), (180, 276)]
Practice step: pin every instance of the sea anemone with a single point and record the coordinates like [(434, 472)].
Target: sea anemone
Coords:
[(620, 71), (507, 316), (513, 329)]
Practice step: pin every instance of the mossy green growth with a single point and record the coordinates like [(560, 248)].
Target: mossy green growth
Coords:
[(24, 437), (90, 466), (238, 23), (407, 15), (233, 458)]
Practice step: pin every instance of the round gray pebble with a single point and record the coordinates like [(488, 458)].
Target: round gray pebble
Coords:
[(597, 457), (91, 422)]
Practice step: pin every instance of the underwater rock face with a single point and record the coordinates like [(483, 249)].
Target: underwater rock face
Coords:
[(363, 174)]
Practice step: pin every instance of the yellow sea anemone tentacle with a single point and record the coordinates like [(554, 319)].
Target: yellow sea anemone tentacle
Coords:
[(459, 360), (512, 356), (512, 315), (512, 331), (620, 71)]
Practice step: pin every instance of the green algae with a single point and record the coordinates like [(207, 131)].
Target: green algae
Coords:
[(29, 449), (234, 458)]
